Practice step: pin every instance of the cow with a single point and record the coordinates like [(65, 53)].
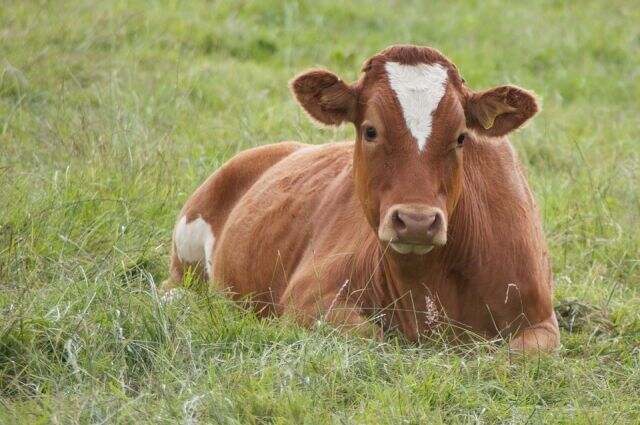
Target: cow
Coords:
[(425, 220)]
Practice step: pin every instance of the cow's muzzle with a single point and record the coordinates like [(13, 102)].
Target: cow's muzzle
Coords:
[(413, 228)]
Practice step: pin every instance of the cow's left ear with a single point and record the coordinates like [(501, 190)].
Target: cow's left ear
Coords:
[(500, 110), (326, 98)]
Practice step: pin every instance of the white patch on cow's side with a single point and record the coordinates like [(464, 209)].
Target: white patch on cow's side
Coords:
[(419, 89), (194, 242)]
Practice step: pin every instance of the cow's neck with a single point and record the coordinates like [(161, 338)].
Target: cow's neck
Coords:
[(405, 288), (398, 287)]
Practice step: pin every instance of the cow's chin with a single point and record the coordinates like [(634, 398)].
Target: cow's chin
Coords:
[(407, 248)]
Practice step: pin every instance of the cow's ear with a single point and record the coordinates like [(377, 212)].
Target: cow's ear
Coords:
[(325, 96), (498, 111)]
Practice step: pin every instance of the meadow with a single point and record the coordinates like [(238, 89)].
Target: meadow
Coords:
[(113, 112)]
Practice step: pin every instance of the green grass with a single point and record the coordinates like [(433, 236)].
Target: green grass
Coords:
[(112, 112)]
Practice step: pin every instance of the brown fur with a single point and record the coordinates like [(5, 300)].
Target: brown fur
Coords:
[(296, 225)]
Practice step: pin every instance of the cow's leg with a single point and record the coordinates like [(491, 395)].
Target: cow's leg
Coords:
[(343, 317), (348, 319), (302, 302), (541, 337)]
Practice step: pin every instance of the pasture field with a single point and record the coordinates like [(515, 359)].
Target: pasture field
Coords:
[(112, 112)]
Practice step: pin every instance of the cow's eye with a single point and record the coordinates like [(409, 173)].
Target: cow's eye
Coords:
[(370, 133), (461, 139)]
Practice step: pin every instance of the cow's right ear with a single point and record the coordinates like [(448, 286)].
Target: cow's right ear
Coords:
[(325, 97)]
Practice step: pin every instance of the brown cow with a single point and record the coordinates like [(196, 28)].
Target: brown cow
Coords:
[(426, 218)]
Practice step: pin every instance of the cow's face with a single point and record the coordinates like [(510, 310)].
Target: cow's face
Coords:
[(413, 117)]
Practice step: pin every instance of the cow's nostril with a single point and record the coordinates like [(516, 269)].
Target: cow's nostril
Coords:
[(398, 223), (435, 223)]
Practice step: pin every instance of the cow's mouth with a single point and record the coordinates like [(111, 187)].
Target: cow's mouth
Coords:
[(410, 248)]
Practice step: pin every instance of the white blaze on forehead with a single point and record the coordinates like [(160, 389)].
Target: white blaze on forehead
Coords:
[(194, 242), (419, 89)]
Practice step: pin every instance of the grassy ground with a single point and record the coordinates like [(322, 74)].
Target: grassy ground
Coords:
[(112, 112)]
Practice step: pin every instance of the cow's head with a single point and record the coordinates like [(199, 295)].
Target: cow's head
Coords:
[(413, 116)]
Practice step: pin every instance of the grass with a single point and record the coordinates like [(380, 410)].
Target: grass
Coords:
[(112, 112)]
